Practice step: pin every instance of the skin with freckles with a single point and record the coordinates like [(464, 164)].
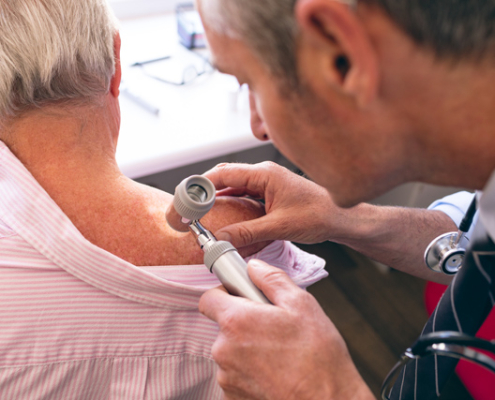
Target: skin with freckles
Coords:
[(70, 150)]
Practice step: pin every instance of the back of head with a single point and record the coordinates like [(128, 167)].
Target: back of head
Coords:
[(452, 29), (54, 51)]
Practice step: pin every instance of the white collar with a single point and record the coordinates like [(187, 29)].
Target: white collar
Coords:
[(487, 207)]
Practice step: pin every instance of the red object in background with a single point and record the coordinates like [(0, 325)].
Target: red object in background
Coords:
[(479, 382)]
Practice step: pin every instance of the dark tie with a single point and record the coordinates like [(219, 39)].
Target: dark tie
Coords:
[(463, 308)]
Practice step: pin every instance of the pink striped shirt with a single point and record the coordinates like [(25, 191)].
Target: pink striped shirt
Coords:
[(77, 322)]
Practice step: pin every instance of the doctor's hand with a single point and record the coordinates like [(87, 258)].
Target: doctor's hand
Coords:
[(296, 208), (288, 350)]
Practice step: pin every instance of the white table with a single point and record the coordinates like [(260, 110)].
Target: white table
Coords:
[(196, 122)]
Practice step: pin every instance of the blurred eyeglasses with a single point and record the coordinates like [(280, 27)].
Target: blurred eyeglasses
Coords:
[(188, 74)]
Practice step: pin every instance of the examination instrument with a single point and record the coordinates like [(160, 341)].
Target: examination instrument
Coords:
[(193, 198), (444, 253), (445, 343)]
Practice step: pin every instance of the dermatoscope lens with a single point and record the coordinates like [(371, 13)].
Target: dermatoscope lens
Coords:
[(197, 193), (194, 197)]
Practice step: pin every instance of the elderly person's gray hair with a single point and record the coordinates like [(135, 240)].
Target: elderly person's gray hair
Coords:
[(451, 29), (53, 51)]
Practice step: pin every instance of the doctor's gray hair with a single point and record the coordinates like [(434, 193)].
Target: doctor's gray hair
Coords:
[(53, 51), (452, 29), (268, 27)]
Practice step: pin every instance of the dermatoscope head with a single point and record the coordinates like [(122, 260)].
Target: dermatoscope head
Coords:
[(194, 197)]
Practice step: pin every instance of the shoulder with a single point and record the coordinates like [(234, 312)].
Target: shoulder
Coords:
[(146, 238)]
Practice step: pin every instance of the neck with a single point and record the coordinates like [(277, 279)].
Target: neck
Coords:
[(448, 108), (71, 153), (66, 147), (443, 107), (459, 140)]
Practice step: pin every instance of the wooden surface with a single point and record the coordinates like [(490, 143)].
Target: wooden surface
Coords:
[(378, 314)]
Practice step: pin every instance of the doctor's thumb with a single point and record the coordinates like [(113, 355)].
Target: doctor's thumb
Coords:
[(275, 284), (242, 234)]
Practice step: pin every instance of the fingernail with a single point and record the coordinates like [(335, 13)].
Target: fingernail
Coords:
[(224, 236)]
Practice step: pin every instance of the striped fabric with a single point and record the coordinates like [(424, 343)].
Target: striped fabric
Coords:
[(464, 306), (76, 322)]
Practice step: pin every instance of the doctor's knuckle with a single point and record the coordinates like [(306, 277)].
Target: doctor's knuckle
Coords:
[(224, 169), (306, 299), (223, 380), (218, 352), (204, 304), (246, 235), (231, 323), (300, 301), (221, 165), (269, 166), (227, 383), (273, 275)]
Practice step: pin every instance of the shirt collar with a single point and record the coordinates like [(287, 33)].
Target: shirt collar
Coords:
[(27, 209)]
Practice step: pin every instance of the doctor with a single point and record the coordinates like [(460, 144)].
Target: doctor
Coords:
[(362, 96)]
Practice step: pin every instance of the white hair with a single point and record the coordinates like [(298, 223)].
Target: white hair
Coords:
[(54, 50)]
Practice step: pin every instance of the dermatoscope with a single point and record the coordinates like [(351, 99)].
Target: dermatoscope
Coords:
[(193, 198)]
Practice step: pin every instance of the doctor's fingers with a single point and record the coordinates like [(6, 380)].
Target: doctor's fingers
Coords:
[(223, 308), (273, 226), (236, 315), (239, 192), (278, 287), (254, 179), (236, 387)]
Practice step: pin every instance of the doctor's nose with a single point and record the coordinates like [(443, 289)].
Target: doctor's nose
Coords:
[(257, 124)]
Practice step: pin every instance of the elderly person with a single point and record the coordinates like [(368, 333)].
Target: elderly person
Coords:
[(98, 296), (363, 96)]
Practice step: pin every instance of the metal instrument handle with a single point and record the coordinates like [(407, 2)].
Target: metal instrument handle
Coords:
[(231, 269)]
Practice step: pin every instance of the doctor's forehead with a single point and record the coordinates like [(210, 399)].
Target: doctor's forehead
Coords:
[(224, 64), (224, 51), (218, 55)]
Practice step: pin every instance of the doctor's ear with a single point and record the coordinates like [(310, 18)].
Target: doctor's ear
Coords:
[(117, 77), (340, 47)]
